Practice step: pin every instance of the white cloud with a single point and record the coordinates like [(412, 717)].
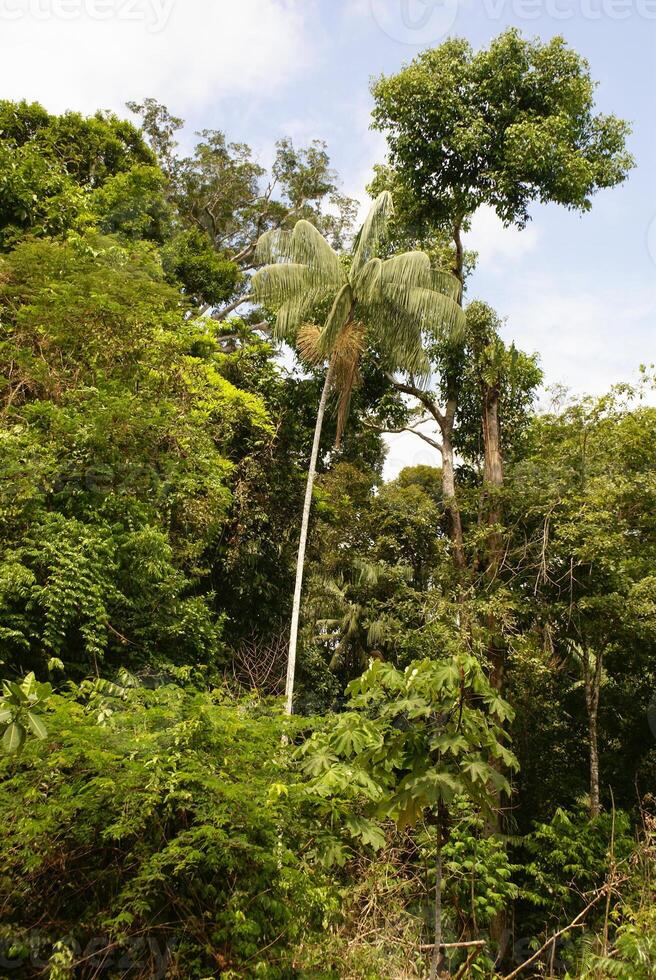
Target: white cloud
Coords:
[(184, 52), (406, 449), (588, 338), (498, 247)]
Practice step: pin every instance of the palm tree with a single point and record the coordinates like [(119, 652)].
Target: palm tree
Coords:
[(395, 302)]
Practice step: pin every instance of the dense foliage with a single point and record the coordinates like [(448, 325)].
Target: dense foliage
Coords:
[(467, 782)]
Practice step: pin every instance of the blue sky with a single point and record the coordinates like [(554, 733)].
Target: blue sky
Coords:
[(578, 289)]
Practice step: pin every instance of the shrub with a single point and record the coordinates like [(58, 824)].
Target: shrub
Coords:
[(154, 843)]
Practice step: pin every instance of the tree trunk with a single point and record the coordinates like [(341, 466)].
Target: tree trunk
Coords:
[(594, 767), (493, 482), (446, 427), (493, 471), (451, 502), (300, 561), (436, 959), (496, 650), (592, 682)]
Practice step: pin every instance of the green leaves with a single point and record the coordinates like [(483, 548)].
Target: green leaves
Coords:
[(36, 725), (412, 741), (13, 737), (302, 273), (372, 232), (398, 301), (185, 801), (319, 760), (366, 831), (353, 736), (20, 712), (503, 126)]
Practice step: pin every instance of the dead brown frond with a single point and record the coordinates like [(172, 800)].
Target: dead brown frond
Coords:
[(347, 357), (307, 341), (345, 363)]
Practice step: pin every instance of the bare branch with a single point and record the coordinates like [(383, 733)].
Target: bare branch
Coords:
[(609, 886), (425, 947), (227, 310), (407, 428), (422, 396), (260, 664)]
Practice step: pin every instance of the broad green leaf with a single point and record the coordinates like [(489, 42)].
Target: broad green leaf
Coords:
[(14, 692), (13, 738), (368, 832), (478, 771), (36, 726), (319, 761)]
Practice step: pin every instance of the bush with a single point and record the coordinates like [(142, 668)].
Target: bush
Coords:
[(162, 841)]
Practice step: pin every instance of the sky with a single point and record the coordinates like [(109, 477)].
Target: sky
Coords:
[(580, 290)]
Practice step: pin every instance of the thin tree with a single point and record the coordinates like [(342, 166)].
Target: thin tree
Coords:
[(394, 302), (592, 668)]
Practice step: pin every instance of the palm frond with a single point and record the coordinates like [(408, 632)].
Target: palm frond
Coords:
[(369, 573), (399, 335), (436, 313), (273, 246), (292, 291), (447, 284), (367, 283), (373, 230), (337, 318), (376, 633), (410, 268), (414, 269), (278, 283), (405, 300), (308, 246)]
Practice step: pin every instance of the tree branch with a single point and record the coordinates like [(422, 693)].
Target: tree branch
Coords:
[(426, 947), (573, 924), (222, 314), (422, 396), (245, 253), (407, 428)]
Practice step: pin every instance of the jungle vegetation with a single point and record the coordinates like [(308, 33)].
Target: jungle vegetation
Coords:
[(264, 713)]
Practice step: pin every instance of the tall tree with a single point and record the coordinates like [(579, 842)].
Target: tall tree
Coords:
[(397, 301), (502, 127), (227, 200)]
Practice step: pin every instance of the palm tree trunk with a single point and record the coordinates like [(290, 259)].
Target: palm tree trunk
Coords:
[(300, 561)]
